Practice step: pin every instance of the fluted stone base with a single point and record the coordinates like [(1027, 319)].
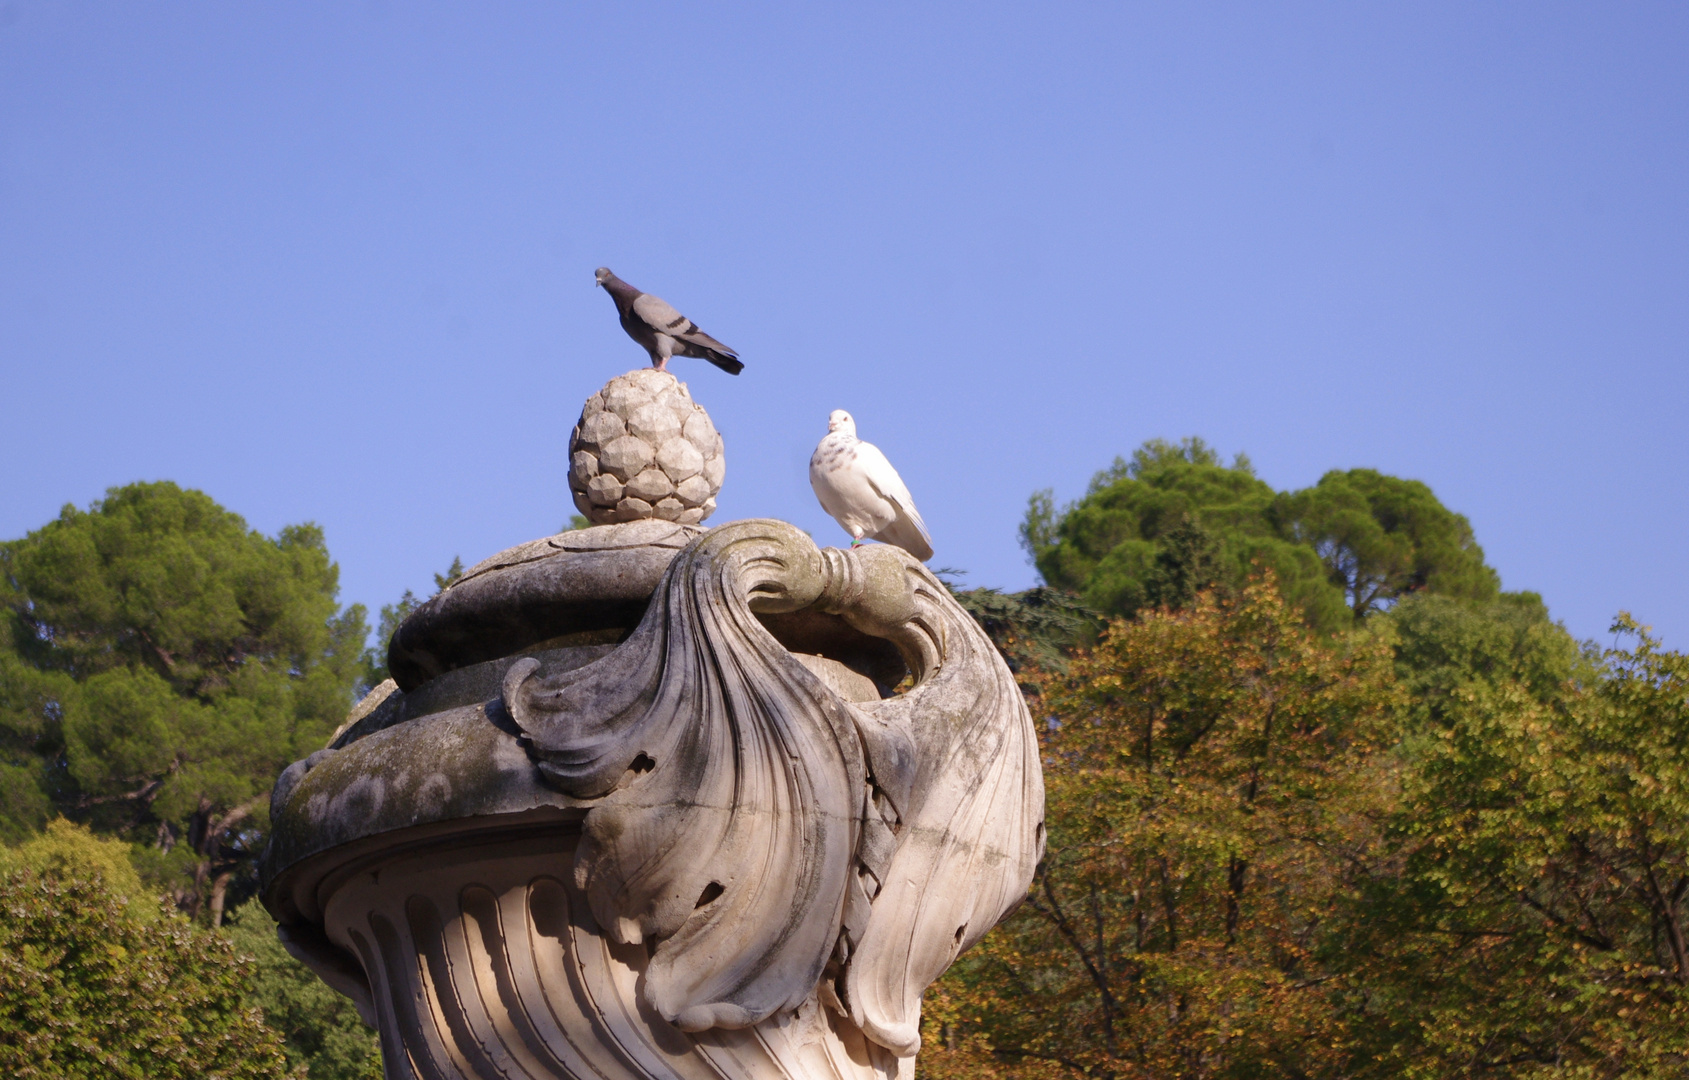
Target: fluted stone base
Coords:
[(486, 963)]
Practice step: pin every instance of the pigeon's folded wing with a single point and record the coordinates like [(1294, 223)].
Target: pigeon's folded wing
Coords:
[(907, 530), (697, 337), (656, 313)]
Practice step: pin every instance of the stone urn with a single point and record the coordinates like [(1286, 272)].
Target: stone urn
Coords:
[(649, 800)]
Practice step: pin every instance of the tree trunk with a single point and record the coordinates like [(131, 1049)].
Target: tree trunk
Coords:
[(201, 869), (1234, 898), (219, 891)]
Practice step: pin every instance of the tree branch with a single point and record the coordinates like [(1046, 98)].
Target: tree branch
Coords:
[(1065, 928), (1594, 942), (238, 813), (144, 793)]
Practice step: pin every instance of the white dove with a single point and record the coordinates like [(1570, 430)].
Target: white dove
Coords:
[(858, 486)]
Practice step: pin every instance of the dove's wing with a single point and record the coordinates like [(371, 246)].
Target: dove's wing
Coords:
[(907, 530)]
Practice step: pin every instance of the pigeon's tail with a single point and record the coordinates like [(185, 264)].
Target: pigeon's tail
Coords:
[(725, 361), (695, 342), (908, 532)]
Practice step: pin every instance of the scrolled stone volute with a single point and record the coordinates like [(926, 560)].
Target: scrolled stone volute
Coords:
[(696, 853)]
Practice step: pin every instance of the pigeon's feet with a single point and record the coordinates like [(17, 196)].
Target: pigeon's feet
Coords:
[(856, 543)]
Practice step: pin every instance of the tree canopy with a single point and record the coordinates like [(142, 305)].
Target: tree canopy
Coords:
[(1195, 761), (1323, 801), (160, 663), (1152, 531), (1449, 842), (97, 980), (321, 1030), (1381, 537), (1523, 911)]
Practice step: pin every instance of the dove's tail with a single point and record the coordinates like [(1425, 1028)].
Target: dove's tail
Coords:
[(908, 532)]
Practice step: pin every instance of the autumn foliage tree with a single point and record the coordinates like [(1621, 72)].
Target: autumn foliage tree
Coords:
[(1525, 912), (1210, 771), (1450, 843)]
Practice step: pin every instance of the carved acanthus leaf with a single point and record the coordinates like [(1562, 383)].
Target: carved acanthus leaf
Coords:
[(726, 782), (754, 824)]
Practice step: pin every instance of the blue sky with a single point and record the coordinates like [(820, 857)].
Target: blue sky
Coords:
[(333, 262)]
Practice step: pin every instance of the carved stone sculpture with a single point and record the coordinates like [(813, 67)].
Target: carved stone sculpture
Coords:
[(644, 449), (648, 801)]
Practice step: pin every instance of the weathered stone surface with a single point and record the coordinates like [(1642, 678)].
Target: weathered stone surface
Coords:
[(552, 861), (377, 697), (601, 428), (813, 632), (715, 470), (651, 485), (604, 490), (583, 466), (657, 421), (642, 421), (626, 457), (623, 395), (700, 432), (588, 582), (693, 491), (680, 459), (739, 731), (669, 509), (838, 678), (465, 935)]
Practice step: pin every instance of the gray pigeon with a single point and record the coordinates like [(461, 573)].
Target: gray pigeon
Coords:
[(661, 330)]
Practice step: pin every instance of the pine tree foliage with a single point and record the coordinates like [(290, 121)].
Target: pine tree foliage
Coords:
[(321, 1031), (1173, 520), (1034, 629), (160, 663)]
